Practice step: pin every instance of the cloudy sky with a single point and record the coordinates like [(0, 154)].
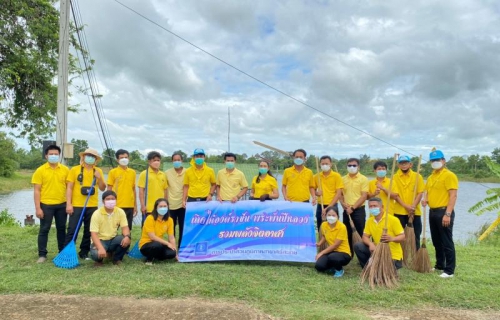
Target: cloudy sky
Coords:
[(417, 75)]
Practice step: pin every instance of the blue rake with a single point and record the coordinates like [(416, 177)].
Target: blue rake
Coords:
[(68, 257), (135, 253)]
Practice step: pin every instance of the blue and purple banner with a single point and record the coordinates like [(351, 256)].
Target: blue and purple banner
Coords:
[(248, 230)]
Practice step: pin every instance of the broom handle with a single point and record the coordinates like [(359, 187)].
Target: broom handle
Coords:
[(425, 222), (83, 211), (490, 229), (389, 193), (319, 182), (146, 190), (287, 154), (416, 184)]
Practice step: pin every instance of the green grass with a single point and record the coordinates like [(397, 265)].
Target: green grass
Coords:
[(288, 290), (19, 180)]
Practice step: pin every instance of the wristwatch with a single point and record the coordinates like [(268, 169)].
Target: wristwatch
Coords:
[(447, 214)]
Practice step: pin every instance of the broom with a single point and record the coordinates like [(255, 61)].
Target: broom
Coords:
[(422, 262), (409, 245), (68, 257), (490, 229), (380, 271), (135, 253)]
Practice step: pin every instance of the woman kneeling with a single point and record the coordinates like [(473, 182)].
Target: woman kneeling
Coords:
[(338, 253), (152, 244)]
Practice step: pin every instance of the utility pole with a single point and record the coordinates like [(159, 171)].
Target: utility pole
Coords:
[(62, 81), (228, 129)]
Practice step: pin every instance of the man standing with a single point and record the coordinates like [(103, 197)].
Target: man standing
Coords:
[(49, 182), (379, 187), (231, 182), (353, 202), (156, 184), (441, 188), (78, 187), (199, 180), (328, 189), (175, 178), (407, 204), (121, 180), (298, 181)]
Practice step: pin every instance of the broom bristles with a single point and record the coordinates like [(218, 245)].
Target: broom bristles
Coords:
[(409, 245), (356, 238), (67, 258), (380, 271), (135, 253), (422, 262)]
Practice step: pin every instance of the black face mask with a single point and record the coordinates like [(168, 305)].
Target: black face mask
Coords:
[(405, 171)]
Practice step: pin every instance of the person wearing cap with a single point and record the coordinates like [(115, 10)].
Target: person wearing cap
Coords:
[(49, 183), (199, 180), (104, 231), (408, 204), (175, 179), (353, 198), (122, 181), (441, 195), (78, 187), (231, 182), (156, 185), (379, 187), (298, 181)]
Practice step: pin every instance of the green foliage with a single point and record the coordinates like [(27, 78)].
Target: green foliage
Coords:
[(29, 159), (492, 201), (78, 146), (8, 156), (7, 219), (108, 158)]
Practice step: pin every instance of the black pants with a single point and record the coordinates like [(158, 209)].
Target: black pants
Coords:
[(417, 226), (189, 199), (363, 254), (155, 250), (359, 218), (335, 260), (442, 239), (72, 224), (178, 216), (319, 211), (129, 212), (111, 246), (57, 212)]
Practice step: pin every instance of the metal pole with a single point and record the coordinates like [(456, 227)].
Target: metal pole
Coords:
[(62, 77), (228, 129)]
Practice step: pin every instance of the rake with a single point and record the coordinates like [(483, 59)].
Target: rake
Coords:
[(135, 253)]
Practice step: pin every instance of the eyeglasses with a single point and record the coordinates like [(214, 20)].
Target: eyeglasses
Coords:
[(352, 165)]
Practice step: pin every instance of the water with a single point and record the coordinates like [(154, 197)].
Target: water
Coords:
[(20, 203)]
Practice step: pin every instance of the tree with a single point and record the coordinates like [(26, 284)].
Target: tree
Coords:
[(495, 155), (30, 159), (7, 156), (492, 200), (78, 146), (108, 158)]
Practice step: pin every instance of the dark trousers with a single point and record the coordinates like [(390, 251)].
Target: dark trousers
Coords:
[(335, 260), (111, 246), (129, 212), (417, 225), (189, 199), (178, 216), (442, 239), (57, 212), (319, 211), (363, 254), (72, 224), (155, 250), (358, 217)]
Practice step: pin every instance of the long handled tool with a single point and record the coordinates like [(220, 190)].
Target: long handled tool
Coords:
[(68, 257), (285, 153), (409, 245), (490, 229), (135, 252), (422, 262), (325, 245)]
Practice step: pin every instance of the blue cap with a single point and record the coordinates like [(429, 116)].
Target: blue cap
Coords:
[(436, 155), (198, 151), (404, 158)]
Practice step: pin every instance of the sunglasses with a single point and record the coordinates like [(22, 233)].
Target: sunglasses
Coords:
[(352, 165)]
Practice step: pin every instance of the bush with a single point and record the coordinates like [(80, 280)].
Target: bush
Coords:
[(7, 219)]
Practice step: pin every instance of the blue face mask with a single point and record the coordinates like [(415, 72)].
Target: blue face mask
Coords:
[(89, 160), (53, 158), (177, 164), (263, 170), (199, 161), (374, 211), (381, 173), (229, 165), (298, 161), (162, 211)]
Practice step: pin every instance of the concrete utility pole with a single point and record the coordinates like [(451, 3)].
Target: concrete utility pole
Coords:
[(62, 80)]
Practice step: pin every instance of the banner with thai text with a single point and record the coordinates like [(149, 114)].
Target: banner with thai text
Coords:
[(248, 230)]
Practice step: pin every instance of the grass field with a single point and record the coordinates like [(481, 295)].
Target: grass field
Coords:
[(20, 180)]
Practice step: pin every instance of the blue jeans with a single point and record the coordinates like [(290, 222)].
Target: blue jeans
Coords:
[(111, 246)]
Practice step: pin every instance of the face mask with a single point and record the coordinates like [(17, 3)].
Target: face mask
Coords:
[(436, 165), (374, 211), (53, 158), (381, 173), (89, 160), (331, 219), (325, 167), (123, 162), (162, 211), (177, 164), (352, 170), (263, 170), (155, 164), (199, 161), (298, 161), (229, 165), (110, 204)]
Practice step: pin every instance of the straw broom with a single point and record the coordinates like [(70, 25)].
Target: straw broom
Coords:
[(422, 262), (409, 245), (380, 270)]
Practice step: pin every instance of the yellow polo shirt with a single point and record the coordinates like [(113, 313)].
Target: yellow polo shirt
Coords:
[(88, 175), (156, 186), (123, 183), (353, 186), (298, 184), (339, 232), (230, 183), (159, 227), (199, 180), (52, 182), (175, 186), (372, 187), (330, 184), (406, 184), (394, 228), (266, 185), (437, 187), (106, 225)]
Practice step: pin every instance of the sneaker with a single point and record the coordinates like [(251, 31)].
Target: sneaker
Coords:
[(41, 260), (445, 275), (83, 256), (148, 263), (338, 273), (436, 269)]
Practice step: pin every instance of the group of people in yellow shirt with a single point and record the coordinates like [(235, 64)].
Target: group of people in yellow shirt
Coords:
[(59, 191)]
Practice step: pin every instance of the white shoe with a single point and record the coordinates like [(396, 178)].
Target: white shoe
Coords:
[(41, 260), (445, 275)]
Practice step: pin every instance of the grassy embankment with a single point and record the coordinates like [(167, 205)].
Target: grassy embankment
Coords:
[(20, 180), (287, 290)]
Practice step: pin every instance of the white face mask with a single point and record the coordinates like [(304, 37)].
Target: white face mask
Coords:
[(352, 170), (123, 161), (331, 219), (436, 165), (325, 167)]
